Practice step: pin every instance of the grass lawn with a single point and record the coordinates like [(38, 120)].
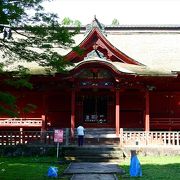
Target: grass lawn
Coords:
[(29, 168), (35, 168), (155, 168)]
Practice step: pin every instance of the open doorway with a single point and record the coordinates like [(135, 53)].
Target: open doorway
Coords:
[(95, 109)]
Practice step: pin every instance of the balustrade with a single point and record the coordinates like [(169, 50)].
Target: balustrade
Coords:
[(20, 122), (143, 138), (126, 138)]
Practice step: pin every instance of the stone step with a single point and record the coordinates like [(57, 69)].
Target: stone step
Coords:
[(92, 147), (101, 141), (91, 159), (93, 153), (98, 131), (85, 158), (110, 153), (94, 176), (93, 168)]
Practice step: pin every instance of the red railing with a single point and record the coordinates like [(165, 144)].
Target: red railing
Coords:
[(126, 138), (21, 122)]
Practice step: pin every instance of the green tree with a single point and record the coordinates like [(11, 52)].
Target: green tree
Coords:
[(35, 32), (77, 23), (67, 21), (115, 22)]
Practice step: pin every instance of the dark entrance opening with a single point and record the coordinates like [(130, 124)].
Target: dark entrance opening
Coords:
[(95, 109)]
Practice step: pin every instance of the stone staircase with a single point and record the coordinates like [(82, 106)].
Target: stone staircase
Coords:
[(93, 153), (100, 136), (100, 145)]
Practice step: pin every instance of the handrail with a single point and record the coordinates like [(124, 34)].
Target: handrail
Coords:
[(21, 122), (126, 138), (151, 138), (18, 118)]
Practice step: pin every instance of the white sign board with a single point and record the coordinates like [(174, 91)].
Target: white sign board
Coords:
[(58, 135)]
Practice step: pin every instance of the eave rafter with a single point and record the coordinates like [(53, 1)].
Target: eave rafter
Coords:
[(95, 40)]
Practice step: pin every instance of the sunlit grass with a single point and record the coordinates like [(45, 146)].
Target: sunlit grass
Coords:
[(155, 168), (35, 168), (28, 168)]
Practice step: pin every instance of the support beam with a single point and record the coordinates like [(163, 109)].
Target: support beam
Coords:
[(147, 123), (117, 113), (72, 113), (43, 128)]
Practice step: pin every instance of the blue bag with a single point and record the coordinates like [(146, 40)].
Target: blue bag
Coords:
[(52, 171), (135, 167)]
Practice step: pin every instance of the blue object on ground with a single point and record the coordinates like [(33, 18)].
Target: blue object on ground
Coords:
[(52, 171), (135, 167)]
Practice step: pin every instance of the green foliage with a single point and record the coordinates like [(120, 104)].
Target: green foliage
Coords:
[(7, 98), (18, 83), (7, 104), (77, 23), (38, 34), (68, 21), (78, 50), (40, 30), (17, 79), (115, 22), (15, 11), (29, 108), (1, 67)]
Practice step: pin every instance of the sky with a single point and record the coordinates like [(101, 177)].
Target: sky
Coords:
[(126, 11)]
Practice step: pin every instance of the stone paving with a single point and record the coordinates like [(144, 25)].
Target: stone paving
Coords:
[(94, 177), (93, 171)]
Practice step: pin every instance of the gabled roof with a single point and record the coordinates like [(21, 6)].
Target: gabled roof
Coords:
[(121, 68), (96, 40), (139, 50)]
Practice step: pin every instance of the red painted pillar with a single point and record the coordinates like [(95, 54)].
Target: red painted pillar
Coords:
[(117, 115), (72, 113), (147, 123), (43, 128)]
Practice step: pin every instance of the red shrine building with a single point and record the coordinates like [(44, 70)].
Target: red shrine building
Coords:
[(128, 77)]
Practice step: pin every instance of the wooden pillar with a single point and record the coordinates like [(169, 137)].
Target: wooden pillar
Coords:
[(147, 123), (43, 127), (72, 113), (117, 113)]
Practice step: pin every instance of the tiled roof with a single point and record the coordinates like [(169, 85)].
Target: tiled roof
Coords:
[(157, 47)]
